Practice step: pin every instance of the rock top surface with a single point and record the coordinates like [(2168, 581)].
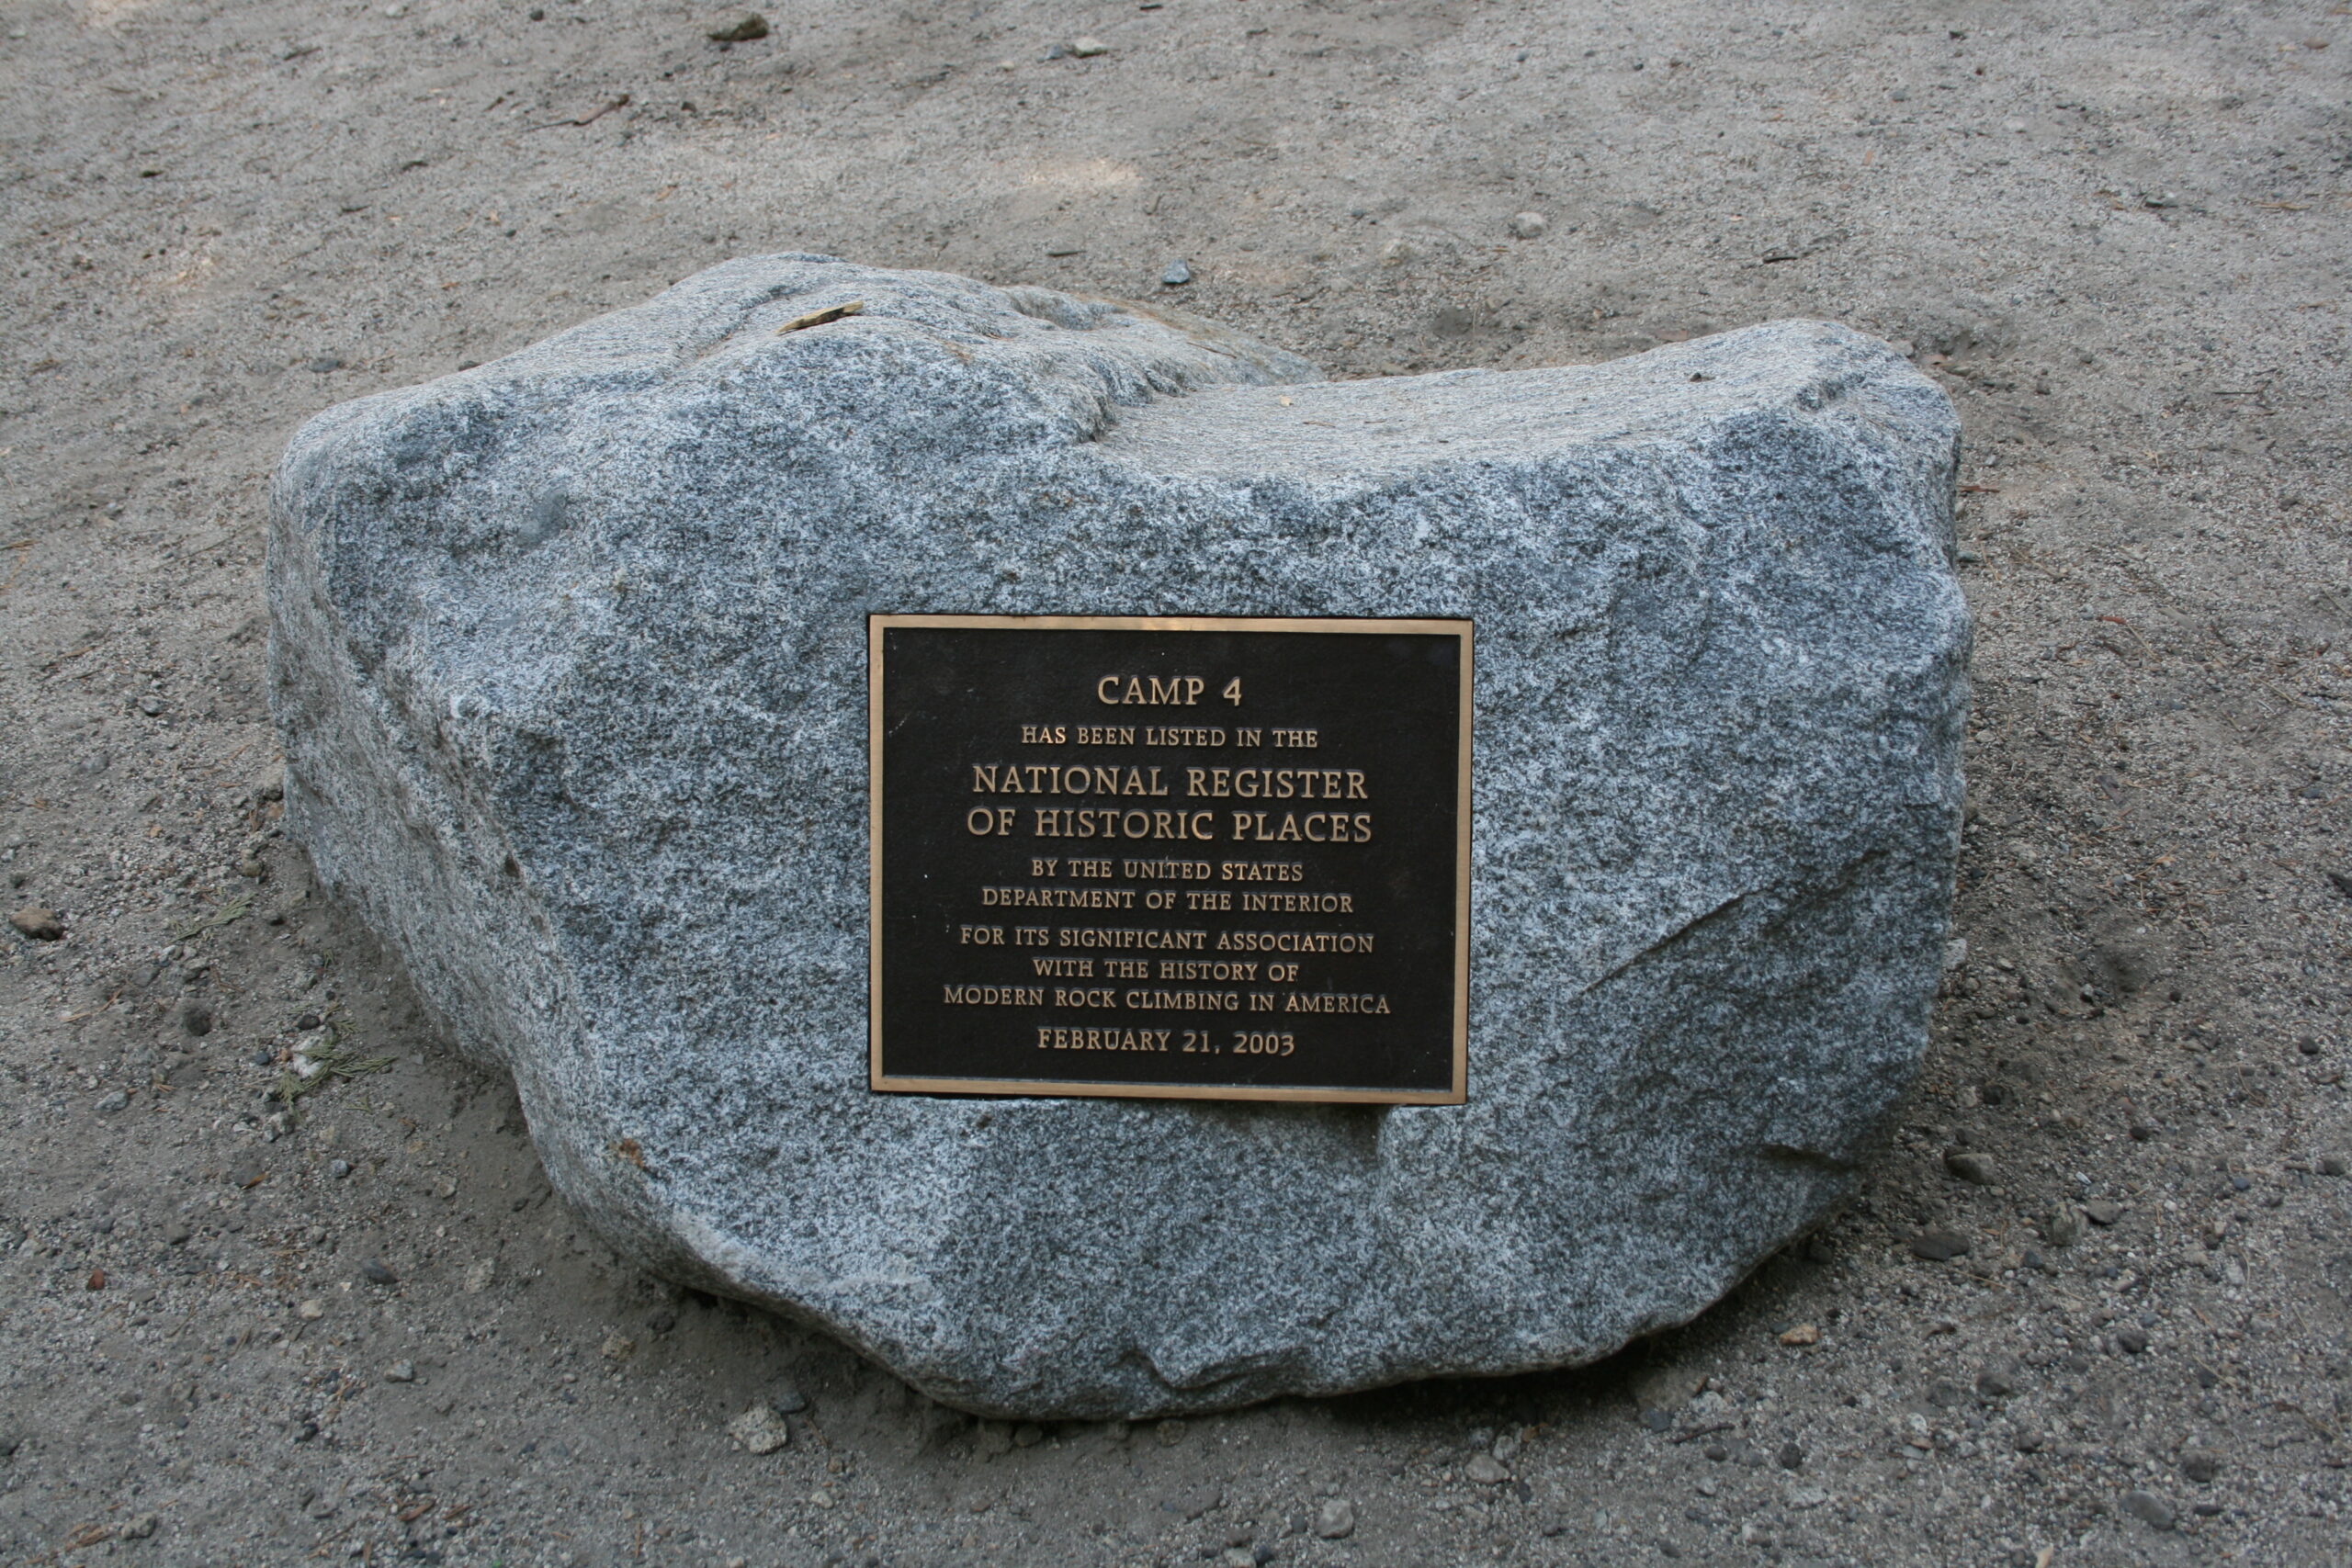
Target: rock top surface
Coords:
[(569, 656)]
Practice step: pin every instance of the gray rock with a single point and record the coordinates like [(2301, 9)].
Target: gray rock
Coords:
[(2149, 1509), (761, 1429), (1336, 1519), (1939, 1246), (1969, 1166), (2000, 1378), (569, 657)]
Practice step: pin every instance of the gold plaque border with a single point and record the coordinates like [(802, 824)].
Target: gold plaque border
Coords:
[(879, 1083)]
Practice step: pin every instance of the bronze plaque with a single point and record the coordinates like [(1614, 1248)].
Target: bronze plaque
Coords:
[(1203, 858)]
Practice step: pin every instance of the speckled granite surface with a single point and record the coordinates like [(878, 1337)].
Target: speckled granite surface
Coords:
[(569, 656)]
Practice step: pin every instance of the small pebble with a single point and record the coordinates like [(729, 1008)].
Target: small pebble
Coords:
[(1487, 1470), (761, 1429), (1802, 1334), (2102, 1211), (401, 1372), (1336, 1519), (39, 924), (195, 1017), (2132, 1340), (1178, 275), (2201, 1466), (617, 1347), (1088, 48), (752, 26), (110, 1103), (1790, 1456), (1529, 226), (375, 1272), (338, 1168), (2331, 1165), (1939, 1246), (2149, 1509), (1969, 1166), (311, 1309)]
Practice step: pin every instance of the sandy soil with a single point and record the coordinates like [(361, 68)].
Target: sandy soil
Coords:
[(2116, 234)]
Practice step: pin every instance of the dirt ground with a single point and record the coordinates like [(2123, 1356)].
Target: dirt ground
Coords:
[(236, 1329)]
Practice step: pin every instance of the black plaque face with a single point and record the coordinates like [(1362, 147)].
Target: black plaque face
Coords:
[(1197, 858)]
